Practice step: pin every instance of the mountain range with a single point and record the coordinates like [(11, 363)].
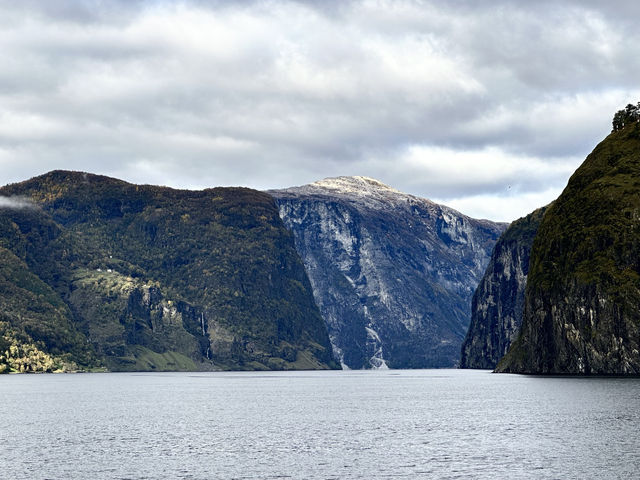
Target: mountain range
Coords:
[(101, 273), (97, 273)]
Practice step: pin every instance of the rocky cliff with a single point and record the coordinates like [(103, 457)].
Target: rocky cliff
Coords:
[(393, 274), (497, 304), (100, 272), (581, 313)]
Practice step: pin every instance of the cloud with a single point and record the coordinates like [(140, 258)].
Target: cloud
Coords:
[(510, 206), (453, 100), (16, 203)]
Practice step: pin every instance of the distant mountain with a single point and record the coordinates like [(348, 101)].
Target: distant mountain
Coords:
[(393, 274), (582, 306), (496, 308), (99, 272)]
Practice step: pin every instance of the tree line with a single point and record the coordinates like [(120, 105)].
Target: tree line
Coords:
[(630, 114)]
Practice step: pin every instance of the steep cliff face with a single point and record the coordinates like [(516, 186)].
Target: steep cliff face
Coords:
[(393, 274), (156, 278), (582, 313), (496, 308)]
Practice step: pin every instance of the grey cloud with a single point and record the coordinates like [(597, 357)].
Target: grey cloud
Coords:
[(16, 203), (273, 93), (83, 12)]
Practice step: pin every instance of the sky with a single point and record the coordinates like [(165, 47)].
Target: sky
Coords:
[(487, 107)]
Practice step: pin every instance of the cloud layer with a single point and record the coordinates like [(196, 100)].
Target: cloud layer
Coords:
[(16, 203), (487, 108)]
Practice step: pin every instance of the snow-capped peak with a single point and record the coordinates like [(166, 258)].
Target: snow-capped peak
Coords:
[(365, 191), (355, 184)]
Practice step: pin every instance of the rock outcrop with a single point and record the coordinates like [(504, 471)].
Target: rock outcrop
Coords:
[(496, 308), (393, 274), (582, 306)]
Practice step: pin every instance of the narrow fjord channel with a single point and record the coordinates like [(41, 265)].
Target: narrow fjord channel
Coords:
[(403, 424)]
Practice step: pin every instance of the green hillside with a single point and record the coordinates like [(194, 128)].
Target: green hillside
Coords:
[(156, 278)]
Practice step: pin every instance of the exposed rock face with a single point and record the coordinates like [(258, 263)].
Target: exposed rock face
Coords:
[(392, 273), (496, 308), (137, 277), (134, 327), (582, 307)]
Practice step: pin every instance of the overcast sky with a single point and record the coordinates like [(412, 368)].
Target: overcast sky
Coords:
[(487, 107)]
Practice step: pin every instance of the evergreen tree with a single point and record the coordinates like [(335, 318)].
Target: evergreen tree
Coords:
[(630, 114)]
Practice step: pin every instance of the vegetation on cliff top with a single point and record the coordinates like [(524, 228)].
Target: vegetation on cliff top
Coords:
[(627, 116)]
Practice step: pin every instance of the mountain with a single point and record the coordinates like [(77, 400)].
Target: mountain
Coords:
[(392, 273), (99, 272), (581, 312), (496, 308)]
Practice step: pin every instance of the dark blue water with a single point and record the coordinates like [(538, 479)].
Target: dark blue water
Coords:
[(318, 425)]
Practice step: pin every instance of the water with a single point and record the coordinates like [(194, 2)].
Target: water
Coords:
[(318, 425)]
